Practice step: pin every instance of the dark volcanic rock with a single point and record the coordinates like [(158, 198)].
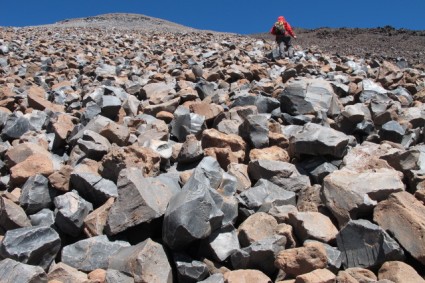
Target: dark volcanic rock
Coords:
[(364, 244), (13, 271), (31, 245), (189, 270), (36, 194)]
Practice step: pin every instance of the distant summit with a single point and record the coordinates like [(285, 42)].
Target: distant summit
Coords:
[(125, 21)]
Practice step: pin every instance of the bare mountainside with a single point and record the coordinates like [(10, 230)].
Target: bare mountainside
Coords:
[(125, 21), (385, 43)]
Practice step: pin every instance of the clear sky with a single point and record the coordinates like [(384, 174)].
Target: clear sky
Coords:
[(243, 17)]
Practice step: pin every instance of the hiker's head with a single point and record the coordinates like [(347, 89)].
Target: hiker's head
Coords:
[(281, 19)]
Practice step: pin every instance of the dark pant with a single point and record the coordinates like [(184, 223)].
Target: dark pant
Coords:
[(285, 44)]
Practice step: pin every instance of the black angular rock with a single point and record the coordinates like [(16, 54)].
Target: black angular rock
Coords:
[(192, 214), (205, 89), (15, 127), (12, 216), (259, 255), (185, 124), (221, 244), (12, 271), (44, 217), (364, 244), (255, 130), (31, 245), (93, 187), (36, 194), (71, 210), (150, 259), (140, 200), (190, 270), (264, 104), (93, 145), (90, 254), (392, 131), (110, 106), (264, 194)]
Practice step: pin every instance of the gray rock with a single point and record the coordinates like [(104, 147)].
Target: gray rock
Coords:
[(187, 124), (191, 150), (15, 127), (265, 195), (314, 139), (255, 130), (259, 255), (192, 214), (93, 145), (264, 104), (364, 244), (36, 194), (349, 194), (334, 256), (31, 245), (214, 278), (93, 187), (139, 200), (71, 210), (283, 174), (205, 89), (309, 96), (372, 91), (96, 124), (90, 254), (13, 271), (221, 243), (110, 106), (145, 262), (392, 131), (91, 111), (189, 270), (12, 216), (115, 276), (44, 217)]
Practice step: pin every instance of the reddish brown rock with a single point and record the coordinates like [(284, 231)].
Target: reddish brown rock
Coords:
[(302, 260), (97, 276), (119, 158), (214, 138), (240, 171), (270, 153), (62, 127), (37, 100), (317, 276), (224, 156), (33, 165), (22, 151), (95, 222), (246, 276), (399, 272), (66, 274), (60, 179), (314, 226), (209, 110), (116, 133), (404, 217), (356, 275), (256, 227)]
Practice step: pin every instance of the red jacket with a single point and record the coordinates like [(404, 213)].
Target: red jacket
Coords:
[(288, 30)]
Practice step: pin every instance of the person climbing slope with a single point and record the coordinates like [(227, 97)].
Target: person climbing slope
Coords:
[(284, 34)]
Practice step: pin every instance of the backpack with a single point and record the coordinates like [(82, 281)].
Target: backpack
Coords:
[(279, 28)]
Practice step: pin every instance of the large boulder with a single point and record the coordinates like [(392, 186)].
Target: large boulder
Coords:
[(364, 244), (349, 194), (31, 245), (13, 271), (90, 254), (403, 216), (145, 262), (309, 96), (193, 214), (139, 200), (314, 139)]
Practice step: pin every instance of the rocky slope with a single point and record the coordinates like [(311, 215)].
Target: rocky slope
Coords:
[(383, 43), (132, 155)]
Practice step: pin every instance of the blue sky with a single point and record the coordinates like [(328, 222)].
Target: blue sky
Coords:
[(243, 17)]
